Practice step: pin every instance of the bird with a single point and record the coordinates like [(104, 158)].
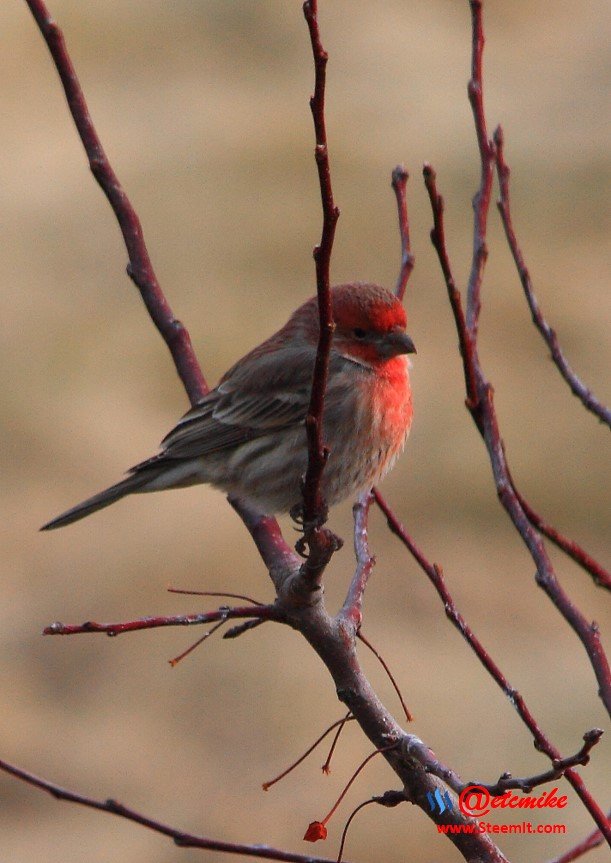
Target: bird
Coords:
[(247, 436)]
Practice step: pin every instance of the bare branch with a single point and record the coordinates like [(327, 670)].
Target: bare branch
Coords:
[(333, 640), (506, 781), (479, 391), (260, 612), (481, 201), (399, 180), (578, 388), (587, 631), (320, 541), (389, 674), (182, 839), (541, 741), (439, 242), (140, 268), (479, 402), (300, 601), (600, 575), (353, 605)]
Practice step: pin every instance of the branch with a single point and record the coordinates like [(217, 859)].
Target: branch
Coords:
[(399, 180), (481, 405), (481, 201), (334, 641), (353, 605), (321, 542), (587, 631), (541, 741), (182, 839), (483, 412), (507, 782), (578, 388), (258, 612), (299, 605), (139, 268), (284, 566), (600, 575), (389, 674), (352, 609), (438, 240)]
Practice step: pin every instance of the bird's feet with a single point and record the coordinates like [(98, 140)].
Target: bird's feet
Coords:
[(306, 527)]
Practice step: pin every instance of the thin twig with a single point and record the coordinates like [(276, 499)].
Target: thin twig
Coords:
[(311, 833), (508, 782), (173, 662), (338, 724), (389, 674), (578, 388), (483, 412), (241, 628), (586, 630), (326, 767), (481, 201), (185, 592), (353, 605), (439, 242), (600, 575), (314, 507), (263, 612), (182, 839), (399, 180), (351, 817), (140, 268), (388, 799)]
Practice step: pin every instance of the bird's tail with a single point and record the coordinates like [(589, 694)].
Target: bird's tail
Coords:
[(131, 484)]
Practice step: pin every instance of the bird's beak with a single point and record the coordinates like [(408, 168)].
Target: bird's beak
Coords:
[(397, 342)]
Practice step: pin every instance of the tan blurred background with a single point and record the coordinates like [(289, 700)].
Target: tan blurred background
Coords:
[(202, 107)]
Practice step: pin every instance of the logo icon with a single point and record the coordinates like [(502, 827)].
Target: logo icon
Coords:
[(439, 801), (474, 801)]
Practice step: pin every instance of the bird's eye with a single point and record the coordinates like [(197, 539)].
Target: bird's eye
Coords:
[(359, 333)]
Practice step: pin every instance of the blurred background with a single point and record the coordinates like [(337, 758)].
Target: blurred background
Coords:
[(203, 109)]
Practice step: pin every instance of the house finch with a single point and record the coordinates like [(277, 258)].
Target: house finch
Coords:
[(247, 436)]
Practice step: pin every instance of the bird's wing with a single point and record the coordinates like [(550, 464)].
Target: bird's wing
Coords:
[(268, 393)]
